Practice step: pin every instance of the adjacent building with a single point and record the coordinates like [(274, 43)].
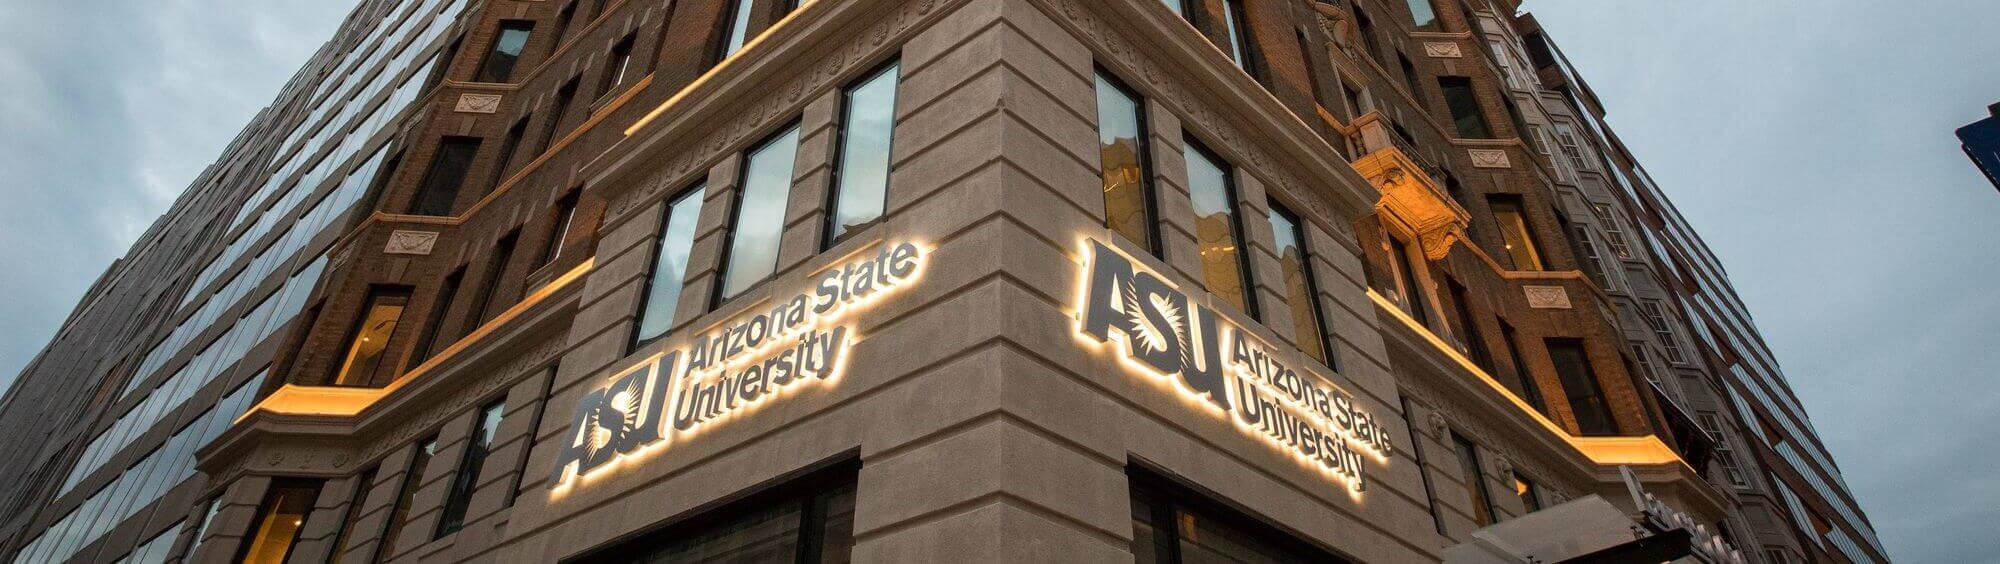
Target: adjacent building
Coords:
[(1981, 141), (920, 280)]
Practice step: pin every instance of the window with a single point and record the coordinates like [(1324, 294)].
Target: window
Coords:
[(496, 271), (1646, 364), (736, 26), (1593, 261), (1725, 455), (278, 522), (1409, 280), (1128, 177), (1423, 16), (1524, 381), (446, 175), (1475, 480), (559, 234), (1366, 29), (1219, 229), (1531, 497), (616, 66), (398, 515), (534, 427), (564, 96), (1614, 233), (1468, 326), (1656, 319), (213, 505), (507, 44), (355, 503), (508, 147), (1173, 524), (1410, 80), (477, 447), (1176, 7), (867, 131), (154, 550), (807, 520), (663, 286), (1579, 382), (1423, 469), (563, 19), (759, 225), (1512, 217), (1463, 102), (1571, 147), (1301, 289), (370, 336), (447, 293), (1237, 22)]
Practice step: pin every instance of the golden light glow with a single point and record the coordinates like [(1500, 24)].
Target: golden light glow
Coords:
[(1648, 450), (294, 399)]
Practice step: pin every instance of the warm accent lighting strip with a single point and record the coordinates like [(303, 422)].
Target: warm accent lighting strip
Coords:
[(1607, 451), (344, 401)]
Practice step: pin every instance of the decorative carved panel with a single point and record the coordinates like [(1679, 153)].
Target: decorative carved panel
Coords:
[(1547, 297), (411, 242), (478, 104), (1443, 50), (1489, 158)]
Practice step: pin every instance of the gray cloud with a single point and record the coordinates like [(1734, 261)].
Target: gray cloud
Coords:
[(1811, 145), (109, 109)]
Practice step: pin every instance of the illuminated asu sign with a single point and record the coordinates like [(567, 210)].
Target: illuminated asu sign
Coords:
[(798, 343), (1157, 330)]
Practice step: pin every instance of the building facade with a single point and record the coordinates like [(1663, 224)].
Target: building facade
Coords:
[(914, 280), (1981, 141)]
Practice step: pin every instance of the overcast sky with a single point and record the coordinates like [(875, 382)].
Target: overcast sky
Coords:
[(1809, 142)]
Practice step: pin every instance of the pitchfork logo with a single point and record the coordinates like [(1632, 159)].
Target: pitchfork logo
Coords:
[(618, 419), (1160, 328)]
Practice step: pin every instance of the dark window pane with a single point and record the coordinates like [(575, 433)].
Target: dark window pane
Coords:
[(616, 65), (1410, 281), (1172, 524), (1579, 381), (499, 65), (1128, 195), (447, 293), (1466, 116), (1475, 480), (1524, 381), (559, 234), (1217, 228), (663, 290), (809, 520), (865, 141), (400, 514), (279, 521), (759, 226), (477, 447), (496, 272), (1468, 327), (447, 174), (370, 336)]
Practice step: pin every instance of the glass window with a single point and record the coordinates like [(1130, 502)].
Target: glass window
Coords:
[(1128, 182), (738, 26), (477, 447), (1524, 381), (1301, 289), (1172, 524), (1175, 5), (1468, 326), (552, 128), (441, 305), (499, 64), (1423, 16), (508, 147), (355, 503), (1423, 468), (559, 234), (1531, 497), (213, 506), (1460, 98), (496, 272), (759, 226), (1656, 319), (866, 134), (1239, 36), (278, 522), (400, 514), (807, 520), (370, 336), (1218, 229), (663, 286), (1410, 81), (1571, 147), (155, 550), (1475, 480), (1409, 280), (617, 64), (515, 490), (446, 175), (1515, 233), (1579, 382)]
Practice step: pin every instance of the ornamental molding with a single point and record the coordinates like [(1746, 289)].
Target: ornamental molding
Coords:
[(478, 104), (1547, 297), (1489, 158), (1443, 50), (410, 242)]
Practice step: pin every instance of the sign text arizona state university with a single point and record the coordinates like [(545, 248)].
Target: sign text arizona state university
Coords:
[(733, 369), (1170, 336)]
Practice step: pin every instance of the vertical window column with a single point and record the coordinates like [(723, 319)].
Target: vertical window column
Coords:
[(279, 519), (1219, 228), (1515, 233), (1475, 481), (759, 225), (466, 480), (867, 134), (1126, 168), (369, 339), (446, 176), (507, 44), (1301, 288), (1580, 385), (670, 259)]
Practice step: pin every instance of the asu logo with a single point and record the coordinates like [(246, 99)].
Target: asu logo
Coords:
[(1160, 328), (617, 419)]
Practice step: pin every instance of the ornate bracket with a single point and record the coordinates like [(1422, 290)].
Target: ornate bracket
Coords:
[(1408, 194)]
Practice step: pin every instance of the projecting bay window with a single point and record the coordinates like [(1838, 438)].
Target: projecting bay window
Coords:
[(439, 191), (867, 131), (1461, 99), (1475, 481), (670, 259), (1614, 232), (1656, 319), (463, 483), (1725, 455), (1579, 382), (1301, 289), (1571, 147), (507, 44), (1126, 168), (759, 225), (279, 519), (1518, 237), (1219, 229), (369, 339)]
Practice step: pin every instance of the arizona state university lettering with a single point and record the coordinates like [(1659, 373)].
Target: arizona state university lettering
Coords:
[(1163, 332), (732, 369)]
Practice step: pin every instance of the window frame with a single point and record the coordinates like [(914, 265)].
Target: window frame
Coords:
[(831, 232)]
